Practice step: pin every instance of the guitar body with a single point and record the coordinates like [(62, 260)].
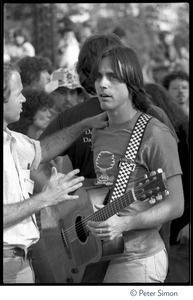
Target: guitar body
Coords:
[(57, 259), (70, 247)]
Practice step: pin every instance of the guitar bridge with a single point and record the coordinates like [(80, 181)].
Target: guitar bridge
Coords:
[(64, 239)]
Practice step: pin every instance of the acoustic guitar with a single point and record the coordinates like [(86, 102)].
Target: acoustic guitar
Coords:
[(70, 246)]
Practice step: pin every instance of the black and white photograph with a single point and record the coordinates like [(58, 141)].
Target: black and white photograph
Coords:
[(96, 148)]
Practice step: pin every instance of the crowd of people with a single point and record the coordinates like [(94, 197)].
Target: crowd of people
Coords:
[(68, 127)]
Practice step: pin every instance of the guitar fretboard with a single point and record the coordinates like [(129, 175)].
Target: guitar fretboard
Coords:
[(112, 208)]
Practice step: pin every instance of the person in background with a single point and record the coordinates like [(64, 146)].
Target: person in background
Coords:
[(120, 32), (119, 85), (158, 63), (84, 31), (183, 61), (177, 84), (20, 46), (35, 115), (6, 56), (21, 154), (21, 40), (35, 71), (147, 68), (65, 90), (80, 153), (68, 48), (170, 52)]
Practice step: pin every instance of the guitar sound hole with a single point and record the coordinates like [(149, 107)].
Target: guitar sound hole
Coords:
[(80, 229)]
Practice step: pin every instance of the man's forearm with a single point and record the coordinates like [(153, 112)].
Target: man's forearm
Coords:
[(170, 208), (17, 212), (153, 217), (58, 142)]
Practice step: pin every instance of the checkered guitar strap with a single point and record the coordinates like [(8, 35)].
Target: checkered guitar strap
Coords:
[(127, 163)]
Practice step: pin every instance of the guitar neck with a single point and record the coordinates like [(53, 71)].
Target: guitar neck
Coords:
[(150, 186), (113, 207)]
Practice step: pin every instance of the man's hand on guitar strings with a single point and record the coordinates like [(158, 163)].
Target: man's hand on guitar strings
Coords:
[(114, 226), (105, 230)]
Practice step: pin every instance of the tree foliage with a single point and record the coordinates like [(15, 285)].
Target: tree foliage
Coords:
[(141, 21)]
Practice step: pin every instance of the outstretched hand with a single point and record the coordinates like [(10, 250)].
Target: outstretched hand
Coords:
[(59, 186)]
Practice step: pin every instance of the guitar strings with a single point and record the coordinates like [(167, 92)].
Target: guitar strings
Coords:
[(80, 225), (78, 228)]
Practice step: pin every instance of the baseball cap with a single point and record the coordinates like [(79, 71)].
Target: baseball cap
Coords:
[(64, 77)]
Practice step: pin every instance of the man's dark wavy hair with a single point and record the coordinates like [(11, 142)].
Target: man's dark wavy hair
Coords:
[(174, 75), (31, 68), (125, 64), (88, 54)]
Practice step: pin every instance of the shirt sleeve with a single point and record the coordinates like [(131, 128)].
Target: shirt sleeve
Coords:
[(28, 151), (159, 113), (160, 151), (38, 155)]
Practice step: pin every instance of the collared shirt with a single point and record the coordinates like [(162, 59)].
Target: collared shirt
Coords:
[(20, 155)]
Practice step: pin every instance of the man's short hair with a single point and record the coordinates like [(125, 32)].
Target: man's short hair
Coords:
[(172, 76), (8, 70)]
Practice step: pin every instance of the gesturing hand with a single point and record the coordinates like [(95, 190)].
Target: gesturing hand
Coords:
[(59, 186)]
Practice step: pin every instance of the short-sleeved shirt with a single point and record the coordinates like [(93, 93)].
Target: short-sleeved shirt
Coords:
[(158, 150), (20, 154), (80, 152)]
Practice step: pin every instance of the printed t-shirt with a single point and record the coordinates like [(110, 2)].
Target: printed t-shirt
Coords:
[(158, 150)]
